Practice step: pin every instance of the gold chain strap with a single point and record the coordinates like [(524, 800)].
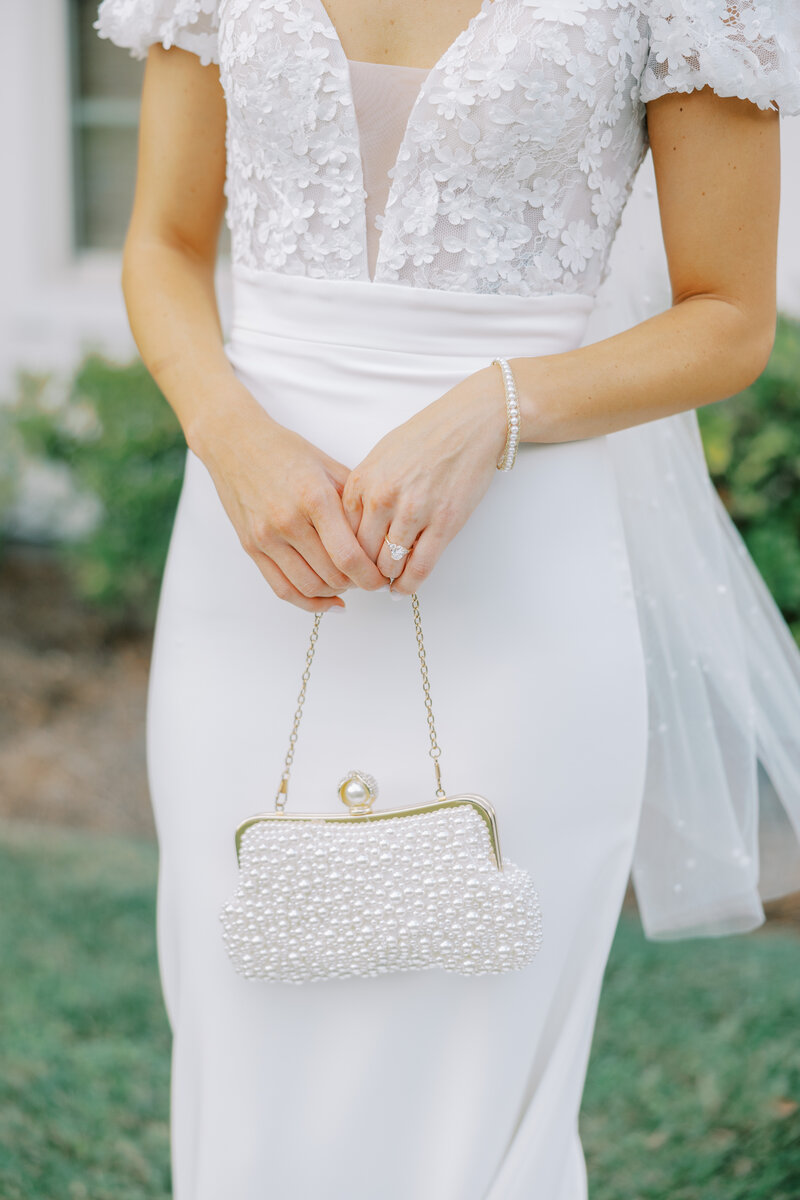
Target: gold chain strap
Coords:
[(434, 752)]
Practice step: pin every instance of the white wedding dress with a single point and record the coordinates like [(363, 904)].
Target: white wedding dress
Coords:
[(394, 229)]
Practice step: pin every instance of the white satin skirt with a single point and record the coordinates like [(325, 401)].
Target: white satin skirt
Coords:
[(419, 1085)]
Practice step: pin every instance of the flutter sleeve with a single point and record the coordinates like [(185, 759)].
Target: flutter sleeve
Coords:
[(744, 48), (137, 24)]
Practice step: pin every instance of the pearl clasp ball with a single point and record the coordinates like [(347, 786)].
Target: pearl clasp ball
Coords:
[(358, 790)]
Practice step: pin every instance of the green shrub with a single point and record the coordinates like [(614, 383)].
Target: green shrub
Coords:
[(752, 444), (122, 442)]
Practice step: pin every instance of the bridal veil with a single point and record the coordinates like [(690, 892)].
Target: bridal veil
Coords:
[(720, 827)]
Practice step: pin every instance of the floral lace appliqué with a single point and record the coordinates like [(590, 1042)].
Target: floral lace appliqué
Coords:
[(521, 148), (518, 156)]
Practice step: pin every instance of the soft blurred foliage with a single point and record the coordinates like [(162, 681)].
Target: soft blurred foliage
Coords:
[(10, 456), (752, 444), (110, 427), (122, 444)]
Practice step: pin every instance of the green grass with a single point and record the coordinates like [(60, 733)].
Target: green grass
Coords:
[(691, 1095), (694, 1079), (84, 1044)]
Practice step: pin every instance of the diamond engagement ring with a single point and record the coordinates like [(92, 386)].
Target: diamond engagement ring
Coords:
[(397, 552)]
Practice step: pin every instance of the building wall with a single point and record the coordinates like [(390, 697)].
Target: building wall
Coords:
[(56, 302)]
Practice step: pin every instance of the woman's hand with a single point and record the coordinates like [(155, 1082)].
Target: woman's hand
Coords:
[(283, 496), (420, 483)]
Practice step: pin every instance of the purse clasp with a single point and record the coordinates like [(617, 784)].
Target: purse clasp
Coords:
[(358, 791)]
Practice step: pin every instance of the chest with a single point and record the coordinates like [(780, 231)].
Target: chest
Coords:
[(512, 170), (400, 32)]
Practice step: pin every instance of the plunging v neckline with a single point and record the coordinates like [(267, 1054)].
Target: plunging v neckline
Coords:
[(332, 33), (467, 30)]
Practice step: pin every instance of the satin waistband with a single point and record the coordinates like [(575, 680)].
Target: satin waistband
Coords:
[(387, 316)]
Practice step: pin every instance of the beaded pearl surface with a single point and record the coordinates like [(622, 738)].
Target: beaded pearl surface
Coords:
[(320, 898)]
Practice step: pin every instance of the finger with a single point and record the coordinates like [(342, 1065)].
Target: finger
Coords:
[(284, 589), (375, 520), (343, 548), (353, 509), (337, 471), (420, 562), (400, 537), (300, 574), (309, 545)]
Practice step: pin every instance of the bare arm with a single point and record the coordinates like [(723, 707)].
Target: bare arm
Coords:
[(717, 170), (282, 494), (171, 244), (717, 167)]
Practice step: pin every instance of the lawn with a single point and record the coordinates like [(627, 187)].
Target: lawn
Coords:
[(692, 1092)]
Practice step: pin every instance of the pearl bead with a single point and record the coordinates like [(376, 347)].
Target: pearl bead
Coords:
[(355, 792)]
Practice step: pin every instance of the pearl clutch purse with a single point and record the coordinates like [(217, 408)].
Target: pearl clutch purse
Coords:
[(365, 892)]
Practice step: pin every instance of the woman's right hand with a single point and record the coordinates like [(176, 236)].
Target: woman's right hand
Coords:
[(284, 498)]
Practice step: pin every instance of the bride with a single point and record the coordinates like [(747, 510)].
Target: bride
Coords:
[(422, 202)]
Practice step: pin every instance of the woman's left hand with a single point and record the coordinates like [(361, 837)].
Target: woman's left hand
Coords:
[(422, 480)]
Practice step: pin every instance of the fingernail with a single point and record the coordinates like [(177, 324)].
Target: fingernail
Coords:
[(396, 595), (336, 608)]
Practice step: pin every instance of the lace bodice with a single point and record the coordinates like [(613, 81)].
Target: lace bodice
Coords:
[(516, 157)]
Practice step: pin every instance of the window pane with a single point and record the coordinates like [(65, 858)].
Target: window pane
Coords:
[(107, 159), (103, 69), (106, 86)]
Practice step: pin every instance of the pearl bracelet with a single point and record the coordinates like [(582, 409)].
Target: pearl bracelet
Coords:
[(512, 415)]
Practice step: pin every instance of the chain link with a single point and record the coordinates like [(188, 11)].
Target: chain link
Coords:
[(283, 790), (435, 751)]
